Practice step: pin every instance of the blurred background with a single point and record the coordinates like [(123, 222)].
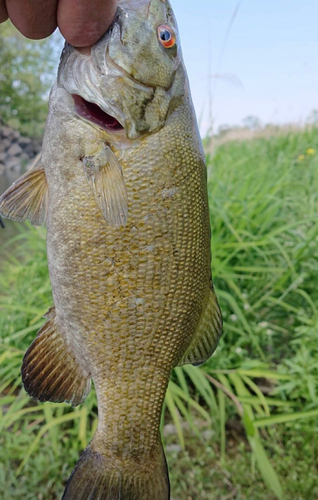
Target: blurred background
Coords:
[(244, 425)]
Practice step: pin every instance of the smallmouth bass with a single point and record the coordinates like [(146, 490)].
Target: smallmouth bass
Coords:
[(121, 187)]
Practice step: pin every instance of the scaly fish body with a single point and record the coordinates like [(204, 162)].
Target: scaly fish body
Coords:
[(128, 242)]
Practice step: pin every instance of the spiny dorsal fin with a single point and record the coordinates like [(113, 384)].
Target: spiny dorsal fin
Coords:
[(27, 198), (207, 334), (50, 371), (105, 177)]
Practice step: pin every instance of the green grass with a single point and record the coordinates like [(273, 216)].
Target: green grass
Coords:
[(256, 399)]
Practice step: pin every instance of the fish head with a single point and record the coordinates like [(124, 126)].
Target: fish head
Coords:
[(133, 77), (137, 46)]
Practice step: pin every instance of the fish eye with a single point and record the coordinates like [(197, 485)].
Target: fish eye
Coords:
[(166, 36)]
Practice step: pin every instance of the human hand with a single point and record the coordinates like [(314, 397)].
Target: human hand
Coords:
[(81, 22)]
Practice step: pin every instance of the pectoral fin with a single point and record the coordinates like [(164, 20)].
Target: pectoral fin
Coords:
[(105, 177), (207, 334), (27, 198)]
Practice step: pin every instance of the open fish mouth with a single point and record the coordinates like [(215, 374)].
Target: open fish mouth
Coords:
[(91, 112)]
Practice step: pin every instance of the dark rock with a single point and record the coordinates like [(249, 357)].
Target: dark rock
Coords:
[(31, 149), (13, 163), (16, 134), (14, 150), (24, 140), (17, 152), (24, 157), (6, 131), (4, 144)]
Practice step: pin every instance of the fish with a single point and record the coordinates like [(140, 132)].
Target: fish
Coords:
[(121, 186)]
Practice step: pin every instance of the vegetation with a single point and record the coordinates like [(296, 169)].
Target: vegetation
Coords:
[(27, 73), (244, 425)]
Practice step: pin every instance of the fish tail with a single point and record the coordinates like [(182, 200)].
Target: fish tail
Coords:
[(97, 477)]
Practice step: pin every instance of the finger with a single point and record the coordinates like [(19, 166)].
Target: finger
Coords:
[(3, 11), (82, 23), (33, 18)]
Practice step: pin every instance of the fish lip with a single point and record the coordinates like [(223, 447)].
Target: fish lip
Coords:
[(90, 112)]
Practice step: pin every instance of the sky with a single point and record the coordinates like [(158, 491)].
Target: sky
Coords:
[(250, 58)]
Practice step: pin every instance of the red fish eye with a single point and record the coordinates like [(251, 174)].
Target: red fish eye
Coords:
[(166, 36)]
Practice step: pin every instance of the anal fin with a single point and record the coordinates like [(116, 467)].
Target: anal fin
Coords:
[(50, 371), (207, 334), (27, 198)]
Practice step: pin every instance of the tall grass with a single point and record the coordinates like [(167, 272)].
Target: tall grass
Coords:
[(264, 374)]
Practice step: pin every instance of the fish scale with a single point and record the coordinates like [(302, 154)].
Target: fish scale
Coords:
[(121, 186)]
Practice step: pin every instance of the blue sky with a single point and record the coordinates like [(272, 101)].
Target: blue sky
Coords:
[(267, 65)]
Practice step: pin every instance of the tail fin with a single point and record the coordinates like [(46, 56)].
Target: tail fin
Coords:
[(96, 478)]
